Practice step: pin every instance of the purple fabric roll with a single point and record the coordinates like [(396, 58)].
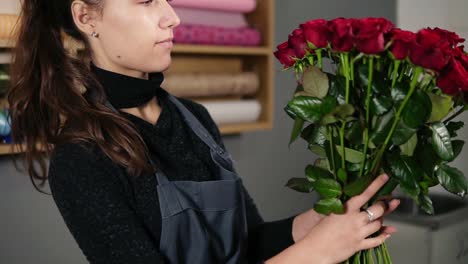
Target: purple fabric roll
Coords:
[(193, 16), (199, 34)]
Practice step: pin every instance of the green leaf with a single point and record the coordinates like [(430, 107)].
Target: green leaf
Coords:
[(379, 86), (329, 205), (313, 173), (358, 186), (426, 204), (353, 133), (322, 163), (351, 155), (342, 175), (402, 133), (315, 135), (379, 105), (297, 128), (457, 146), (318, 150), (290, 112), (441, 141), (300, 185), (441, 106), (337, 87), (341, 112), (327, 188), (418, 110), (311, 109), (315, 82), (410, 145), (426, 157), (452, 179), (400, 91), (382, 127), (453, 127), (407, 172)]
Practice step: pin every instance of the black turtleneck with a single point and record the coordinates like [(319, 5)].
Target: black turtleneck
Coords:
[(115, 218)]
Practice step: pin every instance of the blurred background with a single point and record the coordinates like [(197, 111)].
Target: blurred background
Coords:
[(32, 231)]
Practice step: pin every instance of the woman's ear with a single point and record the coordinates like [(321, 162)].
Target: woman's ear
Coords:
[(85, 17)]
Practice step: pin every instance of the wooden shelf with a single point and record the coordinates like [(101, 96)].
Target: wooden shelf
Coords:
[(217, 59), (5, 149), (223, 50)]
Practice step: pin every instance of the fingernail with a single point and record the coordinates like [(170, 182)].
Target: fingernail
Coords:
[(385, 177), (387, 236)]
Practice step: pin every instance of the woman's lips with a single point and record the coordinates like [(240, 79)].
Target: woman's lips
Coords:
[(166, 43)]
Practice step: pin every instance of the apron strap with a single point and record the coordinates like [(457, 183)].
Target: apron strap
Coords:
[(200, 130)]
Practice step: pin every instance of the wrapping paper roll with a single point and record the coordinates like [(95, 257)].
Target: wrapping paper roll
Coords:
[(192, 16), (200, 85), (244, 6), (231, 112), (199, 34), (7, 24)]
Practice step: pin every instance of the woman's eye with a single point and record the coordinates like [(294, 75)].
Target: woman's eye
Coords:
[(147, 2)]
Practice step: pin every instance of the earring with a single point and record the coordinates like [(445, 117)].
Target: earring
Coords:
[(94, 34)]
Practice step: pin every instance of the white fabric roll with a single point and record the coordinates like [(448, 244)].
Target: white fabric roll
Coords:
[(235, 111)]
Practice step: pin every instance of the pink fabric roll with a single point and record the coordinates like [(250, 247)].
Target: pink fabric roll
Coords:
[(244, 6), (198, 34), (193, 16)]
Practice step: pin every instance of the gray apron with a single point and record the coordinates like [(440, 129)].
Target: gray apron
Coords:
[(203, 222)]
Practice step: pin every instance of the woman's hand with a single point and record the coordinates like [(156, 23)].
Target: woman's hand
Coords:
[(338, 236), (304, 222)]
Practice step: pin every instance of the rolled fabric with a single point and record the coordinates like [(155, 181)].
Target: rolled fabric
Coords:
[(204, 17), (7, 24), (243, 6), (213, 35), (235, 111), (211, 84), (5, 124)]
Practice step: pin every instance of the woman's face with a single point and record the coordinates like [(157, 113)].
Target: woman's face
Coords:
[(133, 36)]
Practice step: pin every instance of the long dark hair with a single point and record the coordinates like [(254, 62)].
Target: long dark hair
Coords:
[(54, 98)]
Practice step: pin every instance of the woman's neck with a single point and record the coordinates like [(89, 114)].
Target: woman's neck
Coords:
[(149, 112)]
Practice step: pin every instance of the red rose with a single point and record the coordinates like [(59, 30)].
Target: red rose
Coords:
[(454, 78), (370, 34), (460, 54), (298, 43), (285, 54), (402, 41), (449, 36), (342, 36), (316, 32), (430, 50)]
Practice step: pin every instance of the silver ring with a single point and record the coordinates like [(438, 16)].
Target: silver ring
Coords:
[(370, 215)]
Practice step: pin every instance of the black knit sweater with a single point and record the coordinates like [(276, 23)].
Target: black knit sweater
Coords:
[(119, 221)]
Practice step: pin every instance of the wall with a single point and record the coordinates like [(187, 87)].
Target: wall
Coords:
[(31, 230)]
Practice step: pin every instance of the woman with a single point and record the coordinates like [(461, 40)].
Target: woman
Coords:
[(139, 175)]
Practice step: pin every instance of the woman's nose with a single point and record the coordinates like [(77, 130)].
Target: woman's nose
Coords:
[(170, 18)]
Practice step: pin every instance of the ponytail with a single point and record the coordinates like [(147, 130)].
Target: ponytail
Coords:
[(54, 98)]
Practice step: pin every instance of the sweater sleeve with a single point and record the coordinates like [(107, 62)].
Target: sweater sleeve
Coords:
[(266, 239), (93, 205)]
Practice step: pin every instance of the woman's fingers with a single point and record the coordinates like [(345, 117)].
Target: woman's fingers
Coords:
[(371, 228), (392, 206), (388, 229), (377, 210), (358, 201), (373, 241)]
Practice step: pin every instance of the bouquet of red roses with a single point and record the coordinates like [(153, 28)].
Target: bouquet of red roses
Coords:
[(385, 105)]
